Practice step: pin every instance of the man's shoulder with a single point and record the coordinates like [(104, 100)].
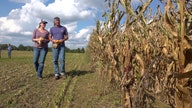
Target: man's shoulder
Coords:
[(60, 27), (63, 28), (55, 27)]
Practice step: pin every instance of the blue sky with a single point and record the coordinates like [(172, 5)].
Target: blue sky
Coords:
[(18, 19), (7, 6)]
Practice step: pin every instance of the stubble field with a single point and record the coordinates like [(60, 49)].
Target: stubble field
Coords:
[(19, 87)]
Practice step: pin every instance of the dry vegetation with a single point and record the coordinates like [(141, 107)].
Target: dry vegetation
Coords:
[(151, 58)]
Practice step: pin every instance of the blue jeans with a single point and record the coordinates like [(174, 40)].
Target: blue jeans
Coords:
[(59, 55), (9, 54), (39, 59)]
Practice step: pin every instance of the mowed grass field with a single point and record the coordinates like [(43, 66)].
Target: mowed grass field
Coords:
[(83, 88)]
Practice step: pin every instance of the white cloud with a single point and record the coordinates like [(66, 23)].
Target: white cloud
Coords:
[(6, 39), (68, 10), (20, 22), (71, 27), (27, 33), (94, 4), (83, 33), (81, 38), (9, 25)]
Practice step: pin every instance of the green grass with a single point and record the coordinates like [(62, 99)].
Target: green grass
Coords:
[(21, 89)]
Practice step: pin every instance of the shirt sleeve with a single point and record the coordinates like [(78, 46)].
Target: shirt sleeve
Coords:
[(66, 32), (50, 32)]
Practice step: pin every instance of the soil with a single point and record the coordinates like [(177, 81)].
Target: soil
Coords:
[(83, 88)]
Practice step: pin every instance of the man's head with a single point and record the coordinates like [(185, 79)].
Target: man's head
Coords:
[(56, 21), (56, 18)]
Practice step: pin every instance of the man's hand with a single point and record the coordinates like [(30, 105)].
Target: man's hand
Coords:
[(56, 41)]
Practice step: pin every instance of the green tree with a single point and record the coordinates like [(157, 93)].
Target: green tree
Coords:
[(21, 47)]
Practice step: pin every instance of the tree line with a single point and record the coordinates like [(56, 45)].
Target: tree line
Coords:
[(21, 47)]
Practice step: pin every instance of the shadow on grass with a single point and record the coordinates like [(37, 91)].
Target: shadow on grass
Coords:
[(72, 73)]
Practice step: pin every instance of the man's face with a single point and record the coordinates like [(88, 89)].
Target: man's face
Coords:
[(57, 22)]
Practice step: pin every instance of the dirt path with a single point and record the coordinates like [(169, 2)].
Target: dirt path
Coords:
[(88, 90), (91, 92)]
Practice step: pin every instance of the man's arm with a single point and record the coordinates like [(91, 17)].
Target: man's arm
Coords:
[(50, 38), (65, 38)]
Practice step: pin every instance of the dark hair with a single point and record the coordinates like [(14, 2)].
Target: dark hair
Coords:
[(56, 18)]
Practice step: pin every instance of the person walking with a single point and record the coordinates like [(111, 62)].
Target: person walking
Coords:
[(9, 49), (58, 36), (41, 40)]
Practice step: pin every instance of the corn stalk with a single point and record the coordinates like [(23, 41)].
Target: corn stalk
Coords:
[(148, 59)]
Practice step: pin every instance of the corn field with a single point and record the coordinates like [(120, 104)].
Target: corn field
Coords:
[(150, 58)]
